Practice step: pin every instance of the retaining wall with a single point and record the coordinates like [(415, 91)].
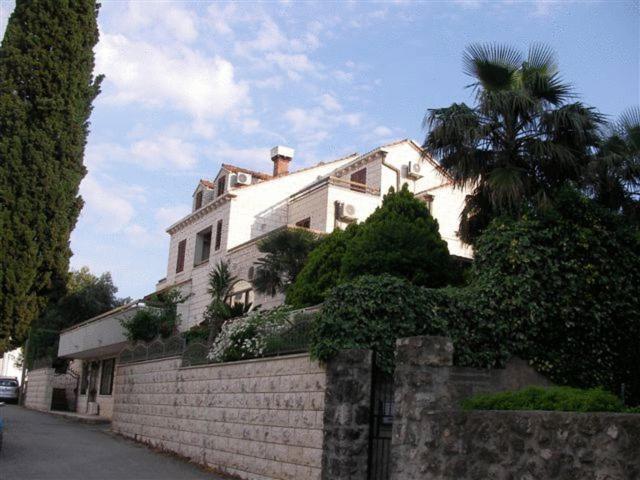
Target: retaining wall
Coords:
[(39, 389), (434, 439), (258, 419)]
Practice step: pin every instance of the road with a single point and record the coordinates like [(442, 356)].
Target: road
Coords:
[(41, 446)]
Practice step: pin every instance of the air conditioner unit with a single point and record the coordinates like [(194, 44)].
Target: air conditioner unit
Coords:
[(345, 212), (414, 170), (243, 179)]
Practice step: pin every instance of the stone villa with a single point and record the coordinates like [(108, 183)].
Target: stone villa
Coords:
[(238, 207)]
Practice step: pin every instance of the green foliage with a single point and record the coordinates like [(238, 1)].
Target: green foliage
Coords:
[(218, 311), (87, 296), (46, 92), (565, 399), (521, 141), (372, 312), (285, 251), (559, 287), (322, 270), (158, 318), (400, 239)]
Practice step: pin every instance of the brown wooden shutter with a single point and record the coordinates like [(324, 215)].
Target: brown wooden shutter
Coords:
[(221, 183), (182, 248), (218, 234), (199, 200), (359, 180)]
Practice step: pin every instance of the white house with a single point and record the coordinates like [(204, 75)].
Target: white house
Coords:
[(231, 213), (234, 210)]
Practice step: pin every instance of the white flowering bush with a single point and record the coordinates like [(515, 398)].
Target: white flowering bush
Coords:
[(249, 337)]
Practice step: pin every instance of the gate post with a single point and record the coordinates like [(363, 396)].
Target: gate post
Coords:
[(346, 416)]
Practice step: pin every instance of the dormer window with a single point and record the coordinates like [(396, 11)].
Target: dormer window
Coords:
[(198, 204), (359, 181), (222, 182)]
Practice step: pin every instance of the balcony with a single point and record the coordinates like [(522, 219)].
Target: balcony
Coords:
[(97, 337)]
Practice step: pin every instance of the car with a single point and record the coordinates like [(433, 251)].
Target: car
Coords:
[(9, 389)]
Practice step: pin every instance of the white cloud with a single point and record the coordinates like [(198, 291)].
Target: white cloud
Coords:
[(329, 102), (159, 19), (163, 151), (175, 76), (167, 216), (106, 206)]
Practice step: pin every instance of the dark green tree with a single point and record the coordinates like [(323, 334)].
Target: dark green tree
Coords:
[(613, 178), (522, 140), (400, 238), (285, 253), (46, 91), (322, 270), (87, 296)]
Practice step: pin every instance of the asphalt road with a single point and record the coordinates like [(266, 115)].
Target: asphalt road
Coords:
[(40, 446)]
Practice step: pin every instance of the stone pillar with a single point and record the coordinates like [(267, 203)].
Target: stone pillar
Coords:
[(346, 416)]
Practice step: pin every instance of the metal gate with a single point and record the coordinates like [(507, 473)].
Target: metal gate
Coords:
[(382, 410)]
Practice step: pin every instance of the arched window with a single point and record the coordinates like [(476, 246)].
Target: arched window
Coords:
[(241, 292)]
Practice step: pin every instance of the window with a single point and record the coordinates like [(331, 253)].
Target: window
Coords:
[(198, 200), (250, 273), (84, 384), (222, 181), (182, 247), (203, 246), (106, 377), (359, 180), (218, 234), (241, 292), (306, 223)]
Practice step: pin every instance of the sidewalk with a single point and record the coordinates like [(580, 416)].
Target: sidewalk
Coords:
[(89, 419)]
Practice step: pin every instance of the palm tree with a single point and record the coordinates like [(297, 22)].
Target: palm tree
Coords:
[(521, 140), (285, 251), (614, 176), (220, 285)]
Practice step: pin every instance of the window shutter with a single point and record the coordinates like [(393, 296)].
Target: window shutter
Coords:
[(182, 247), (221, 184), (199, 200), (218, 234), (359, 180)]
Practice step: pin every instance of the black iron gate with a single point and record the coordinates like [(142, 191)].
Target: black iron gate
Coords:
[(382, 409)]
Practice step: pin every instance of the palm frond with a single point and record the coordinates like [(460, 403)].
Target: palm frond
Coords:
[(542, 57), (507, 187), (493, 64)]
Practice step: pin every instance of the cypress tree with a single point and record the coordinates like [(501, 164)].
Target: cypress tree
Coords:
[(46, 91)]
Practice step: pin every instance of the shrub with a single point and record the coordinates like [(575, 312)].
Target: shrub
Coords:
[(564, 399), (250, 337), (159, 318), (371, 312)]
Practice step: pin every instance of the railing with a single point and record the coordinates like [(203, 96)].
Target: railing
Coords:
[(139, 352), (294, 339)]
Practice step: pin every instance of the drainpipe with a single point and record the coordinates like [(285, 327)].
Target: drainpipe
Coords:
[(391, 167)]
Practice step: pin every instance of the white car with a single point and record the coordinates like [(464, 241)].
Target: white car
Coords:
[(9, 389)]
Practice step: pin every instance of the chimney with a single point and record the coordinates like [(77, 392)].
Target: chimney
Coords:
[(281, 157)]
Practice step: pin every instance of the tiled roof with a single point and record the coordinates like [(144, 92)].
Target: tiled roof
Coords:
[(234, 169), (207, 183)]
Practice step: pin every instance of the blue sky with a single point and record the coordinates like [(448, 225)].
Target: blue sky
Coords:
[(190, 85)]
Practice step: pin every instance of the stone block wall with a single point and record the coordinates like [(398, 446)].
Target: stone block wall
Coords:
[(257, 419), (347, 416), (524, 445), (434, 439), (39, 389)]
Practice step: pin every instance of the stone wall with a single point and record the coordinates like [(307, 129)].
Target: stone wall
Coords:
[(346, 416), (434, 439), (258, 419), (523, 445), (39, 389)]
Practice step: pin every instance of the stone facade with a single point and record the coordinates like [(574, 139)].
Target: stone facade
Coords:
[(257, 419), (520, 445), (346, 416), (39, 389), (434, 439)]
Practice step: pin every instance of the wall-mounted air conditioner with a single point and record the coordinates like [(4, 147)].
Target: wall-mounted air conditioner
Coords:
[(414, 170), (243, 179), (345, 212)]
